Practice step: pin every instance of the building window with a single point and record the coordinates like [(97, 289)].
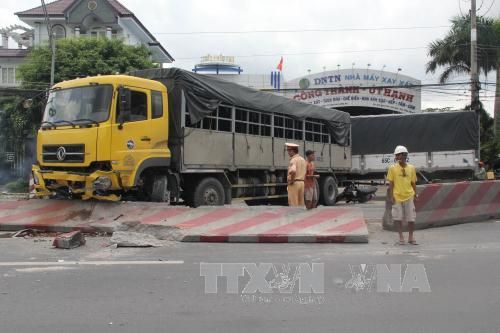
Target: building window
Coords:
[(8, 75), (58, 31), (98, 32)]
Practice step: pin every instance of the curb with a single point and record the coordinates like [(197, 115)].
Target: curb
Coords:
[(361, 238)]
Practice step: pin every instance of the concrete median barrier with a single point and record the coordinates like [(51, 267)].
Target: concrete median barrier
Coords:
[(453, 203), (264, 224)]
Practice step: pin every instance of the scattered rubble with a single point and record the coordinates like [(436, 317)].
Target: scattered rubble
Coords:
[(25, 233), (134, 239), (69, 240), (6, 234)]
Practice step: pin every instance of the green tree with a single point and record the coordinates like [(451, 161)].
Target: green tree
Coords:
[(453, 51), (82, 57), (453, 54), (17, 121), (489, 146)]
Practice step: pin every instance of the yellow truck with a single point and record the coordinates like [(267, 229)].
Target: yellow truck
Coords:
[(169, 135)]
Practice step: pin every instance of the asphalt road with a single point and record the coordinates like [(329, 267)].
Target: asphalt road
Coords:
[(97, 288)]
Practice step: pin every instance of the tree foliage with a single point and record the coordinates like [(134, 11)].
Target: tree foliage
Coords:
[(453, 51), (18, 122), (82, 57), (453, 54)]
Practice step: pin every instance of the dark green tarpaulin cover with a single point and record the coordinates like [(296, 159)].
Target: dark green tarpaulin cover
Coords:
[(422, 132), (202, 94)]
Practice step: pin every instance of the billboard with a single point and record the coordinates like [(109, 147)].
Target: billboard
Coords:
[(357, 87)]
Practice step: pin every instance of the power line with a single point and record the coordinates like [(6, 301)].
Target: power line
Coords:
[(297, 30), (492, 2), (274, 54), (316, 53)]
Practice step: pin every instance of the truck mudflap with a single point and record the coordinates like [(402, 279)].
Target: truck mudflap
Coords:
[(98, 185)]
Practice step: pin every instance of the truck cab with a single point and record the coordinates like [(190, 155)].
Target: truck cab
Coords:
[(100, 136)]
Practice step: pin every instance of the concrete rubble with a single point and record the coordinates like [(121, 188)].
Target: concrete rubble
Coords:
[(134, 239), (69, 240)]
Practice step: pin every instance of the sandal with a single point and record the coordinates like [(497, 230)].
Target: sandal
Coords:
[(401, 242), (413, 242)]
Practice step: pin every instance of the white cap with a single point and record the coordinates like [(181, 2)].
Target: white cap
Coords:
[(288, 144), (400, 149)]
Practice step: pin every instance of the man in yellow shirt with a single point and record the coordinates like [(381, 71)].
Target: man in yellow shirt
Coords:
[(402, 178), (296, 175)]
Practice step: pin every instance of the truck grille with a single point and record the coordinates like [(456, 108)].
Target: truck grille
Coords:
[(63, 153)]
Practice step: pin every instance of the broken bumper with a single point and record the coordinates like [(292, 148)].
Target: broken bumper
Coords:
[(97, 185)]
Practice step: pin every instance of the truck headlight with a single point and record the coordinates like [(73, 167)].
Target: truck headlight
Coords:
[(102, 183)]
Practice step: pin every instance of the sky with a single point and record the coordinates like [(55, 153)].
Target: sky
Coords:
[(313, 35)]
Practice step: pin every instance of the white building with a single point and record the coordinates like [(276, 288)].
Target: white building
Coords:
[(74, 18)]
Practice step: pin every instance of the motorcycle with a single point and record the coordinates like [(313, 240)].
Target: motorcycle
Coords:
[(353, 193)]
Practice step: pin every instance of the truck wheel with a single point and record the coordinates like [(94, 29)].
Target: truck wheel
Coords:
[(209, 192), (329, 191), (159, 189)]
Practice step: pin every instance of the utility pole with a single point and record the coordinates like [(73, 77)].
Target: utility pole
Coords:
[(52, 43), (474, 76), (53, 61)]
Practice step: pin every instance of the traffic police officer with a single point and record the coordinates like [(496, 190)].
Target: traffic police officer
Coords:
[(296, 175)]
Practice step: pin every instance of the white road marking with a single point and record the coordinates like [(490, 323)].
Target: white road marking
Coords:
[(44, 269), (89, 263)]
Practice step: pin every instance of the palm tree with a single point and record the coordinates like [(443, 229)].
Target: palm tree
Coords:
[(453, 53)]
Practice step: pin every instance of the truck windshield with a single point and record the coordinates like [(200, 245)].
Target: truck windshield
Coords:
[(81, 104)]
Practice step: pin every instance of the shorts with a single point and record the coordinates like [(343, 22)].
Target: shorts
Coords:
[(404, 211), (311, 194)]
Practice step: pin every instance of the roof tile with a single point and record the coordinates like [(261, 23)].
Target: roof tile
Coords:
[(59, 7)]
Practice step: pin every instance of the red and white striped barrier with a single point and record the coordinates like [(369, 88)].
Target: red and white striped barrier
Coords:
[(454, 203), (204, 224)]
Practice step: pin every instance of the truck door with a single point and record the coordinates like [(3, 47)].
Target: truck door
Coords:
[(131, 139), (158, 130)]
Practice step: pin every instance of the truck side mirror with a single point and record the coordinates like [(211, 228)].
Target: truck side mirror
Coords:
[(124, 105)]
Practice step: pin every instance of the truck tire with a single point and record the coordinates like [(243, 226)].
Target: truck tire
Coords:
[(159, 189), (328, 191), (209, 192)]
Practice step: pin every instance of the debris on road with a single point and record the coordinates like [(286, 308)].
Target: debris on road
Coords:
[(134, 239), (25, 233), (6, 234), (69, 240)]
